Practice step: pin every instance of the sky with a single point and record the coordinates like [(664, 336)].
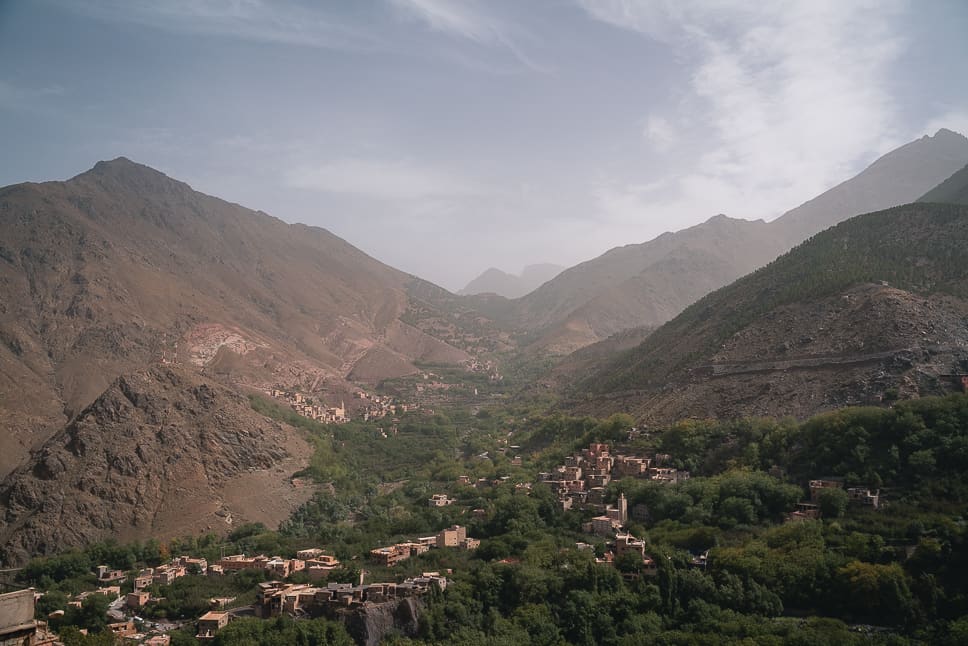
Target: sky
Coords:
[(444, 137)]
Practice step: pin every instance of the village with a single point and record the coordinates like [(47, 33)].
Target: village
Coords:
[(581, 482), (370, 406), (275, 597)]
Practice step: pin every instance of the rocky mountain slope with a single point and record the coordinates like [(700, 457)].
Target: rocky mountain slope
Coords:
[(160, 453), (874, 308), (647, 284), (122, 266), (495, 281)]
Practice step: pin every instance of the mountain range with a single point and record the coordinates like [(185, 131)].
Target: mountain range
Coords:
[(495, 281), (122, 267), (649, 283), (136, 314), (870, 310)]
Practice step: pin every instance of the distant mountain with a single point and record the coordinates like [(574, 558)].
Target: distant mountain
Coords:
[(953, 190), (122, 267), (647, 284), (871, 309), (495, 281), (641, 285), (899, 177)]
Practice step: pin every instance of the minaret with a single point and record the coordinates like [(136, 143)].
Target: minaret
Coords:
[(622, 508)]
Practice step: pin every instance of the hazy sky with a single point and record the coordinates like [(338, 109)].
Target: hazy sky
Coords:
[(447, 136)]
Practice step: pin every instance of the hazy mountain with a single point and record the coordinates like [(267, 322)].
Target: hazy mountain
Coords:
[(953, 190), (122, 267), (899, 177), (495, 281), (643, 284), (647, 284), (875, 307)]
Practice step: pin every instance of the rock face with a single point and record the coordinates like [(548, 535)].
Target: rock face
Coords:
[(160, 453), (370, 624), (865, 346)]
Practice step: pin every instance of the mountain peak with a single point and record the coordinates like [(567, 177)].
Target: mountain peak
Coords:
[(499, 282), (130, 174), (948, 134), (121, 165)]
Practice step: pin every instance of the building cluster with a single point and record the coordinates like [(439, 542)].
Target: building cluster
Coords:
[(299, 600), (453, 536), (482, 483), (484, 367), (611, 521), (380, 406), (581, 481), (17, 623), (275, 598), (307, 407), (161, 575), (312, 561), (623, 544), (18, 626), (440, 500), (861, 496)]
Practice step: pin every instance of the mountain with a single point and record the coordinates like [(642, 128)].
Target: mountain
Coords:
[(495, 281), (647, 284), (899, 177), (953, 190), (160, 453), (122, 267), (871, 309), (641, 285)]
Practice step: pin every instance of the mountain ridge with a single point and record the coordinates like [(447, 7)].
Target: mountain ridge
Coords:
[(804, 334), (495, 281), (633, 286), (121, 267)]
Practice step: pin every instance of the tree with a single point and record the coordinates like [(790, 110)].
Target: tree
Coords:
[(833, 502)]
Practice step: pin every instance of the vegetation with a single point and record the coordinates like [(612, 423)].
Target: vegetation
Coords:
[(897, 575), (255, 632)]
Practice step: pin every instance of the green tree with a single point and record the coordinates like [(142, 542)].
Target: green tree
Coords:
[(833, 502)]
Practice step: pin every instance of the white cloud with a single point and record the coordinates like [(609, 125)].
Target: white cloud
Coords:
[(384, 180), (279, 21), (466, 19), (787, 98), (461, 19), (659, 132)]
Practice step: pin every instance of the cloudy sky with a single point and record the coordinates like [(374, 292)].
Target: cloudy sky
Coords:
[(447, 136)]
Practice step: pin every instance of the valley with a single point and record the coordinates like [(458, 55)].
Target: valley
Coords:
[(255, 391)]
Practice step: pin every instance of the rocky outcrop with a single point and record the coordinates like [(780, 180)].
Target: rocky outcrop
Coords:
[(160, 453), (371, 622)]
